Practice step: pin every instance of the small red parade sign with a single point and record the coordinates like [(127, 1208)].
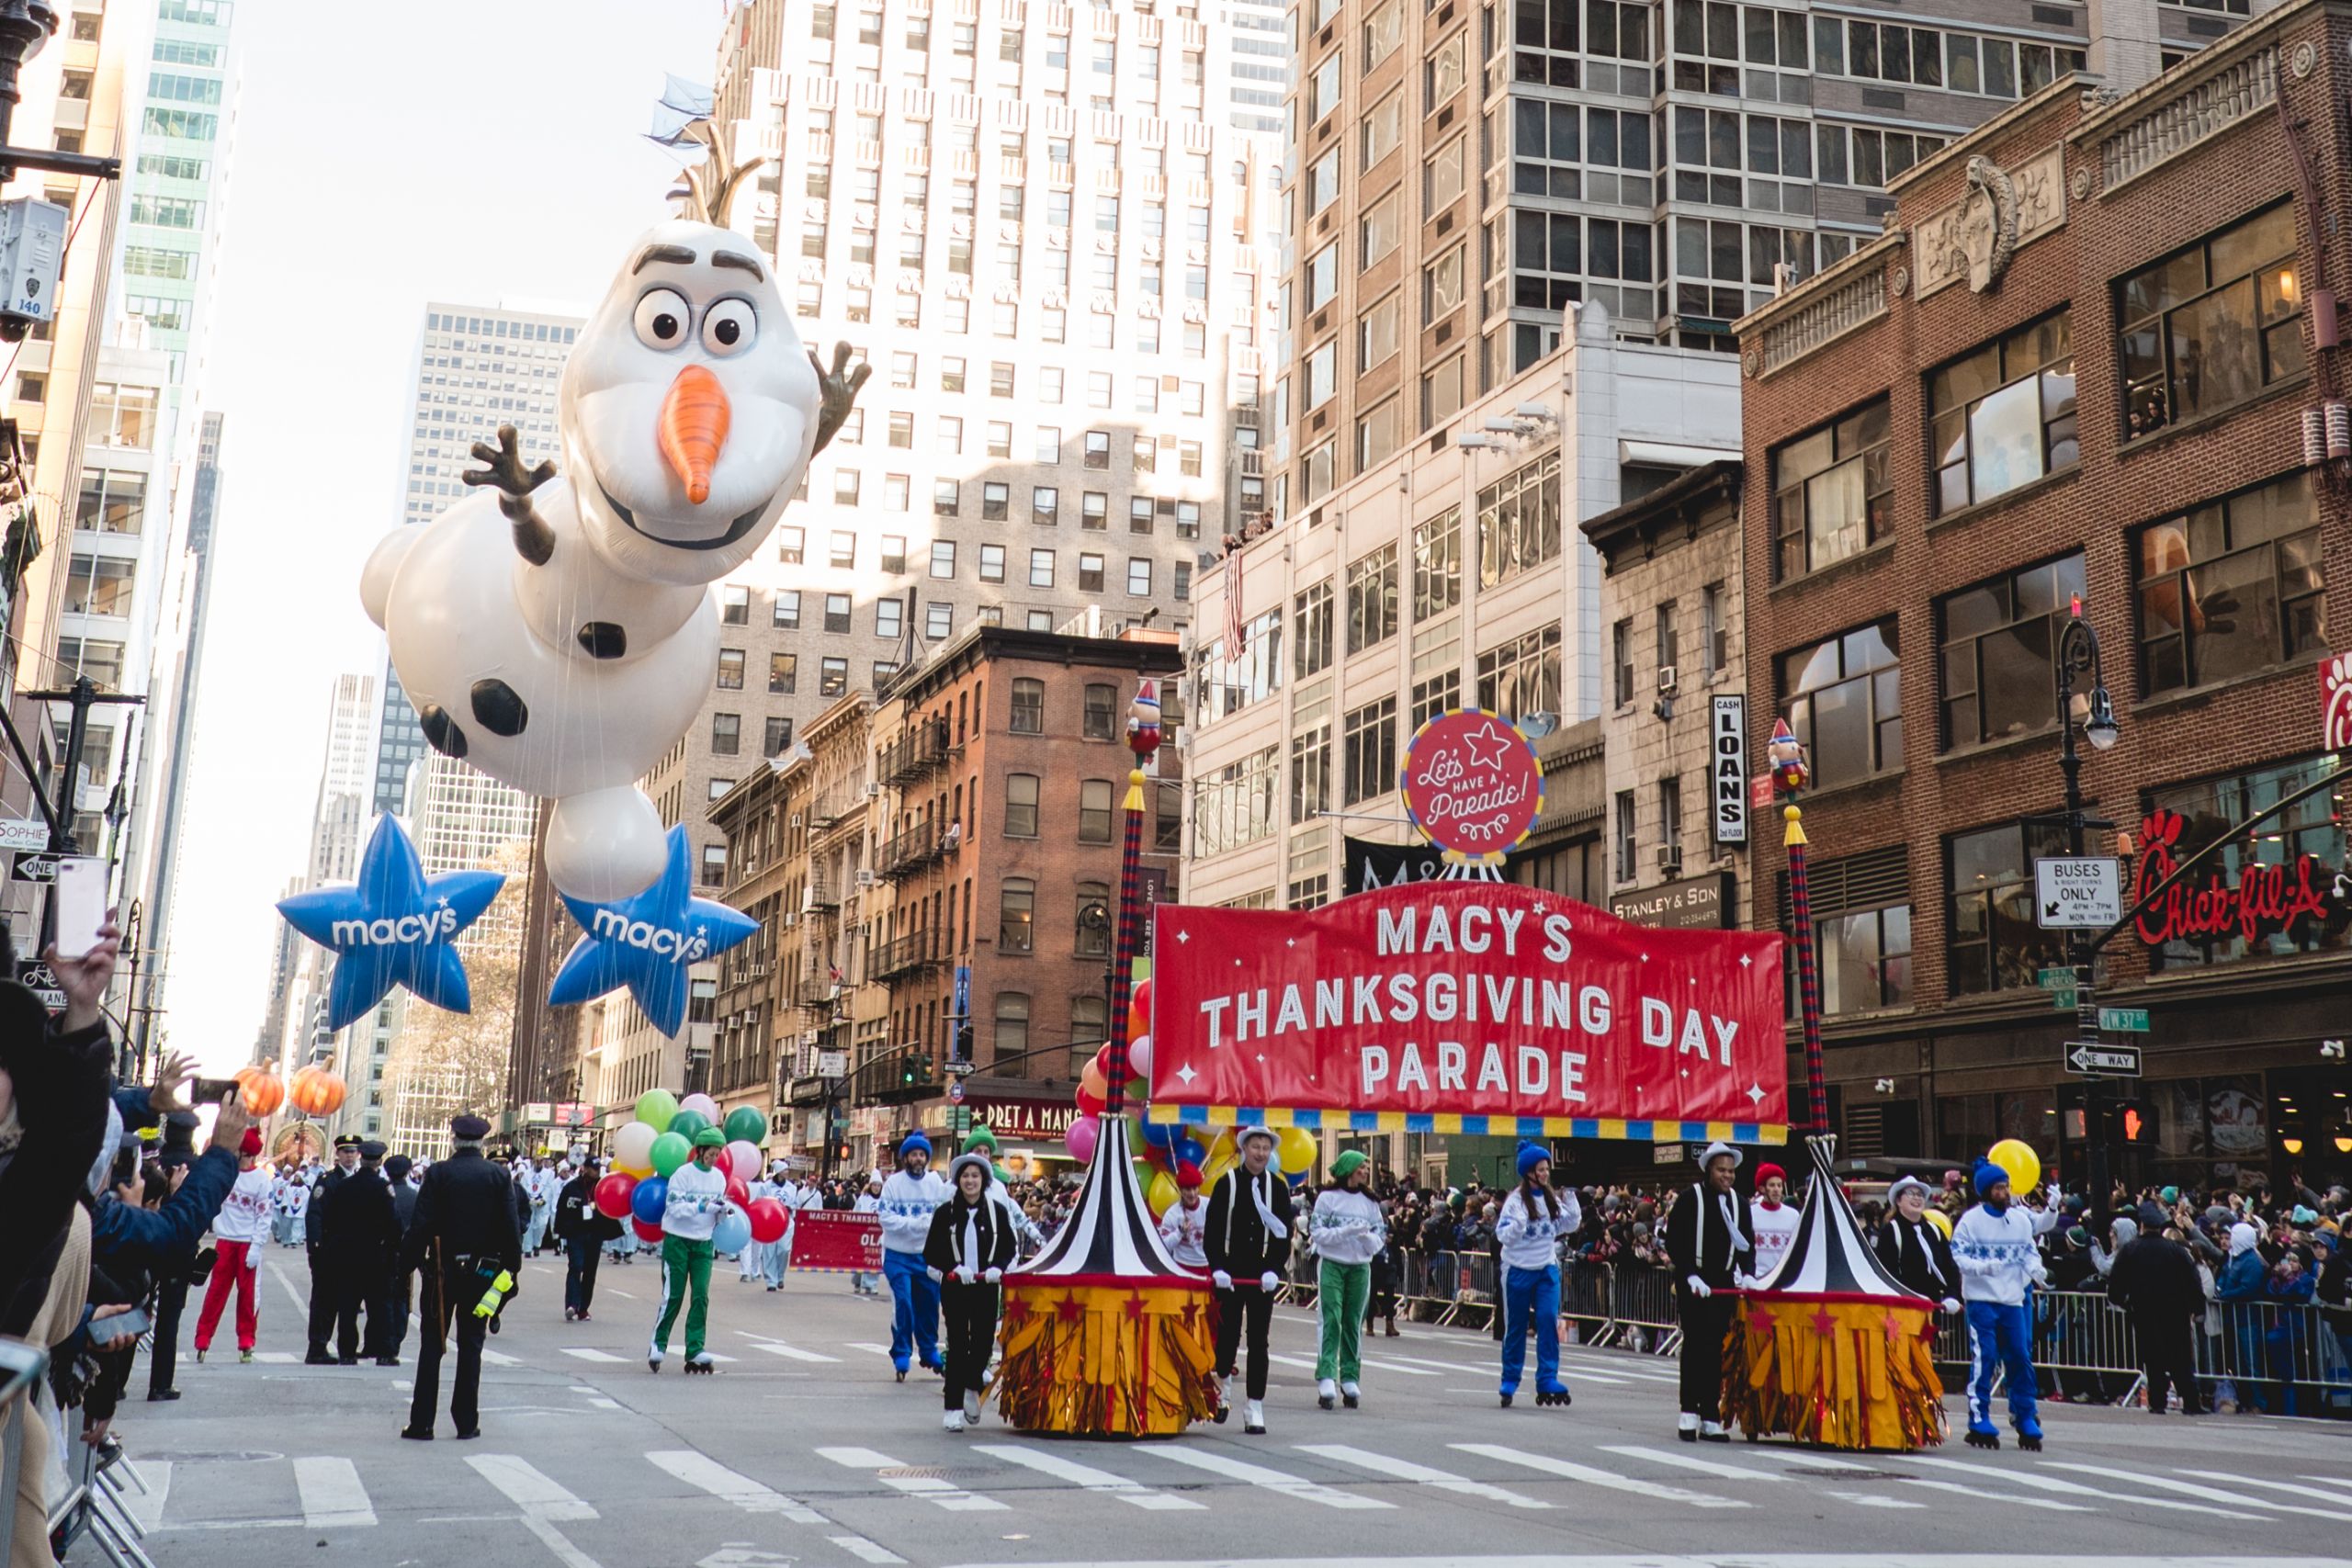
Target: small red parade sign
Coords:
[(1472, 785)]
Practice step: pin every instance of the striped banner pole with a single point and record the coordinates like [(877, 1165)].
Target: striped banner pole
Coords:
[(1808, 969), (1143, 738)]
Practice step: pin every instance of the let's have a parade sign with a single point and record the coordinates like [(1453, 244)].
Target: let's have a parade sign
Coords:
[(1471, 784), (1487, 1001)]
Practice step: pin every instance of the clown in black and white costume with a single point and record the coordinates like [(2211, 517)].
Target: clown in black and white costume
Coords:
[(1712, 1250), (1248, 1241), (971, 1246)]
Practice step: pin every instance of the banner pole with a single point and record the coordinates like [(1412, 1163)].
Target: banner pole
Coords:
[(1143, 738)]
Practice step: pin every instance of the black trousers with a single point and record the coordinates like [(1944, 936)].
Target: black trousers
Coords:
[(324, 1296), (1252, 1309), (970, 1314), (392, 1299), (358, 1286), (450, 1309), (581, 1254), (2167, 1355), (163, 1356), (1705, 1320)]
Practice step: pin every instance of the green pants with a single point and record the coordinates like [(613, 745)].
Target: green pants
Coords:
[(1341, 1292), (685, 1263)]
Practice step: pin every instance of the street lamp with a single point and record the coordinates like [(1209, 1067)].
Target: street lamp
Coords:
[(2094, 715)]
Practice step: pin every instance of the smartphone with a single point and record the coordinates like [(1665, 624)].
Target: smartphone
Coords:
[(211, 1091), (120, 1326), (80, 904)]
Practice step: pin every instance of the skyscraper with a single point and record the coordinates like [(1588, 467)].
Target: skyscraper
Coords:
[(339, 824), (478, 368)]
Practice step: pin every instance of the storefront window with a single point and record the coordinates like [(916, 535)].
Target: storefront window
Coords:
[(2268, 894), (1995, 943)]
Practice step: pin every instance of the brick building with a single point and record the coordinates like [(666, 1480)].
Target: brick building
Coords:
[(2083, 360)]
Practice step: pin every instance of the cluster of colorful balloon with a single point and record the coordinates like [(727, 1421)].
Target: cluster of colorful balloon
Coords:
[(662, 1139)]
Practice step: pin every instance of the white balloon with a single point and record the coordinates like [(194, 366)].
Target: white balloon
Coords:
[(704, 1106), (1139, 1058), (633, 1146)]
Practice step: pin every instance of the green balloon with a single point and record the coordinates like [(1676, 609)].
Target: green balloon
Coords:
[(686, 1124), (670, 1150), (655, 1107), (1138, 1144), (745, 1125)]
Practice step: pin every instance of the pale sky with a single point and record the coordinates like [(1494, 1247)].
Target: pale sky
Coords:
[(465, 151)]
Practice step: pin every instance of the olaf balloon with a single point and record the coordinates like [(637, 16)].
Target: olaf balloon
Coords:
[(556, 629)]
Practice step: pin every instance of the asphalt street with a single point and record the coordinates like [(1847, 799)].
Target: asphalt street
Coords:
[(803, 1450)]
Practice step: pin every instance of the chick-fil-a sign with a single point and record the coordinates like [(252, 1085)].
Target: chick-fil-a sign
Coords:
[(1472, 784), (1466, 997), (2266, 897)]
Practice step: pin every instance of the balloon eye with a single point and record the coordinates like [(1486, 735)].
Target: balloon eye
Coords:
[(730, 327), (661, 317)]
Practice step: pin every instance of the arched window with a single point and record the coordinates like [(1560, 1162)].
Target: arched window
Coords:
[(1102, 721), (1011, 1024), (1087, 1029), (1016, 919), (1094, 917)]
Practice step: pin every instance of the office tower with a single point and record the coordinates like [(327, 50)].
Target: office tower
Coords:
[(339, 824), (477, 369)]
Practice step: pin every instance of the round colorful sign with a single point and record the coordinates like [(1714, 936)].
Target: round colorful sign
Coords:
[(1471, 784)]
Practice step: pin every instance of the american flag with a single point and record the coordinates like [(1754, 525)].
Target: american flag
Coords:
[(1234, 624)]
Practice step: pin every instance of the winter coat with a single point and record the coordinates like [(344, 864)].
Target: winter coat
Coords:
[(2155, 1281), (1239, 1242), (974, 1236), (1916, 1253)]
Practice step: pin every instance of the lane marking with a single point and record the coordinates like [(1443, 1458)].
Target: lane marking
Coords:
[(1872, 1500), (930, 1488), (857, 1546), (2050, 1505), (2071, 1489), (587, 1353), (1276, 1481), (302, 1302), (333, 1495), (1406, 1470), (2211, 1494), (699, 1470), (529, 1488), (1691, 1462), (792, 1352), (2289, 1488), (863, 1345), (1591, 1477), (1084, 1476), (499, 1358)]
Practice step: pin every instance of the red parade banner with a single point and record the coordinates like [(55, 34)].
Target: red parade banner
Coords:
[(836, 1241), (1469, 998)]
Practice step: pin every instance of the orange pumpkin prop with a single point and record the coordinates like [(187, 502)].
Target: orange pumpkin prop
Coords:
[(262, 1092), (317, 1092)]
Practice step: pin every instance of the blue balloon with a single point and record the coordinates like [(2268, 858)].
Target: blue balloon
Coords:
[(395, 926), (733, 1232), (1191, 1148), (1161, 1134), (651, 1199), (649, 943), (1295, 1178)]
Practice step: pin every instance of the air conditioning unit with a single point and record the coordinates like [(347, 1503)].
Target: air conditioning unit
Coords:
[(1666, 679), (874, 791), (809, 1037), (866, 878), (1670, 859), (791, 919), (808, 904)]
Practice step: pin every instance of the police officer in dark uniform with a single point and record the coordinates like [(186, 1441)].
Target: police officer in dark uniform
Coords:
[(395, 1289), (461, 1237), (325, 1290), (362, 1233)]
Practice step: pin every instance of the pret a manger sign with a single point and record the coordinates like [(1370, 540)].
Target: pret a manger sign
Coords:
[(1472, 998)]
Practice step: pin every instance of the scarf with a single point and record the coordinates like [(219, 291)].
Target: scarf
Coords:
[(968, 1253), (1258, 1186)]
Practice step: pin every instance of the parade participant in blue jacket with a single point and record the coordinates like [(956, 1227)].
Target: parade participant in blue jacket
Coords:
[(1531, 1225), (1993, 1245), (909, 1199)]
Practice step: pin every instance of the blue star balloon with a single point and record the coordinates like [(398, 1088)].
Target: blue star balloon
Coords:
[(647, 944), (395, 926)]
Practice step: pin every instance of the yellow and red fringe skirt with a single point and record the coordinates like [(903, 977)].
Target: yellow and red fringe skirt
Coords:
[(1105, 1356), (1844, 1372)]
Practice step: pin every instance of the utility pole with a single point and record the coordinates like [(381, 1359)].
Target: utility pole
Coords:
[(2077, 656)]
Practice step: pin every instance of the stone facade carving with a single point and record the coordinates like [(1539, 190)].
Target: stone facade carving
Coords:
[(1975, 237), (1856, 302), (2192, 116)]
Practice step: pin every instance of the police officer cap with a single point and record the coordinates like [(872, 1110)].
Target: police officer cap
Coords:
[(468, 1129), (371, 1148), (348, 1140)]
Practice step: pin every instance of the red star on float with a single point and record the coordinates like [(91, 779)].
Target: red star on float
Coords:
[(1759, 1318), (1067, 1309), (1134, 1306), (1893, 1326), (1823, 1322)]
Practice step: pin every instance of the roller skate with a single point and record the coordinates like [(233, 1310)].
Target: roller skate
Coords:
[(1350, 1395), (1254, 1418), (701, 1363), (1686, 1426), (2028, 1435), (1326, 1395), (1552, 1396), (1507, 1394), (653, 1356), (1714, 1432), (1984, 1436), (1223, 1400)]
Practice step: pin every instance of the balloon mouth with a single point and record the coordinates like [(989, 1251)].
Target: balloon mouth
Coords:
[(734, 534)]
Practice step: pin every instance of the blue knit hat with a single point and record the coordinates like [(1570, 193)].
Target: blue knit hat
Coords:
[(912, 1142), (1528, 1155), (1986, 1175)]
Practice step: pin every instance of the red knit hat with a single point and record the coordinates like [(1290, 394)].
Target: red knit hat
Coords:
[(250, 1144), (1187, 1174), (1767, 1171)]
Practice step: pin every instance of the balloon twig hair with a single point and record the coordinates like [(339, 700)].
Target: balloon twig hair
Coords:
[(711, 186)]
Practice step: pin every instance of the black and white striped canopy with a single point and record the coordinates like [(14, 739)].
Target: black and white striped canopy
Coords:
[(1829, 1255), (1110, 1233)]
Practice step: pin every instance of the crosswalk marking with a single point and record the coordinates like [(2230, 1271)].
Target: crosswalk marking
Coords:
[(333, 1495), (930, 1488), (1592, 1477), (1388, 1366), (2070, 1489), (865, 1551), (2050, 1505), (700, 1471), (529, 1488), (1272, 1480), (2288, 1487), (1406, 1470), (277, 1357), (791, 1353), (588, 1353), (1084, 1476), (1291, 1360), (499, 1358), (1691, 1461), (1873, 1500), (866, 1344), (2189, 1489)]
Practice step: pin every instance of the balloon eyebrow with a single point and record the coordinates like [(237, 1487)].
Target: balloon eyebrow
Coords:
[(678, 253), (731, 258)]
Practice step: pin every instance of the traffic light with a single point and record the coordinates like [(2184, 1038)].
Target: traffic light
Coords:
[(922, 1068), (906, 1067), (2133, 1122)]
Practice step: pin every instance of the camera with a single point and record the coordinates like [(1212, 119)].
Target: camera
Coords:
[(32, 254)]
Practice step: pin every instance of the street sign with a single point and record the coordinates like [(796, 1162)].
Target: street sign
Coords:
[(2058, 979), (2124, 1020), (17, 834), (959, 1069), (955, 1091), (2096, 1059), (832, 1064), (2066, 1000), (1667, 1153), (36, 868), (34, 974), (2077, 892)]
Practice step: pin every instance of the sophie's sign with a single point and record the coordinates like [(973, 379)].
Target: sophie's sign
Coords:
[(1472, 784)]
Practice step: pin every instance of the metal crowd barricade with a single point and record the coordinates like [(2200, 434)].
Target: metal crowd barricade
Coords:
[(21, 1367), (1586, 1299), (1641, 1315), (1477, 1292)]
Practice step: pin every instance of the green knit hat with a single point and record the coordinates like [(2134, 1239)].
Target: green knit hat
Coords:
[(710, 1138), (1348, 1163)]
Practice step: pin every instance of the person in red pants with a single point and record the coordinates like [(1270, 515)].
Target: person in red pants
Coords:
[(238, 1232)]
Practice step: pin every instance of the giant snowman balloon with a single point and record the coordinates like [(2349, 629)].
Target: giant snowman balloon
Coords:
[(556, 631)]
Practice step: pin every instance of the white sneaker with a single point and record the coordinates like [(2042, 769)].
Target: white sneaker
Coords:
[(1714, 1432), (1686, 1426), (972, 1406), (955, 1421), (1327, 1393), (1253, 1418)]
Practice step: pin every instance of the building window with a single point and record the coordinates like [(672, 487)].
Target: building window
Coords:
[(1101, 720), (1016, 921), (1372, 599), (1028, 707), (890, 618), (837, 609), (1437, 564), (1435, 695), (1012, 1027), (1375, 436), (2235, 586), (786, 614), (1369, 751), (1237, 804), (1094, 811), (1020, 805), (1311, 623), (1139, 577), (1621, 661), (1714, 632), (1230, 679), (784, 673), (1522, 676), (1861, 922), (1377, 231), (1310, 773), (730, 669), (1090, 572), (1832, 495), (1628, 844), (995, 499), (938, 619), (1167, 819), (726, 733), (1519, 522), (1092, 936), (2000, 642), (2005, 415), (2213, 324), (991, 563), (777, 738), (792, 545), (1041, 568), (734, 605), (1845, 702), (1995, 943), (1044, 509), (713, 865), (833, 677), (942, 558)]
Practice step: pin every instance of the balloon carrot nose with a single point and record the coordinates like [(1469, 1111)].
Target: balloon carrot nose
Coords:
[(694, 429)]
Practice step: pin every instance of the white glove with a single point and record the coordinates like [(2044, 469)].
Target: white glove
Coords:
[(1952, 1307), (1743, 1281), (1270, 1280), (2039, 1276), (1221, 1279), (994, 1276), (964, 1275), (1698, 1287)]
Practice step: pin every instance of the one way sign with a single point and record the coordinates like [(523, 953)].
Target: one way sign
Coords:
[(2077, 892), (2096, 1059), (37, 868)]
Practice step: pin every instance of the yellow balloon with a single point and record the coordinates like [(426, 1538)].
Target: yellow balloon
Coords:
[(2017, 1156), (1294, 1150), (1161, 1193), (1941, 1221), (1221, 1148), (639, 1171), (1213, 1172)]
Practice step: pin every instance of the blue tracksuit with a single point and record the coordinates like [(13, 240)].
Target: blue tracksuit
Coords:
[(1998, 1267)]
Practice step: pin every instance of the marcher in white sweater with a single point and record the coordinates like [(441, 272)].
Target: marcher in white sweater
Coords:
[(909, 1199), (1529, 1228), (1346, 1230)]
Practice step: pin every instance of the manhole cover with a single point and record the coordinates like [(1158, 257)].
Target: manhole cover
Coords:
[(223, 1456)]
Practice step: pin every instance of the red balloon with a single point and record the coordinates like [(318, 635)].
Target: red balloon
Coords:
[(768, 1220), (613, 1194), (646, 1232), (1139, 1010), (1088, 1102), (739, 1192)]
